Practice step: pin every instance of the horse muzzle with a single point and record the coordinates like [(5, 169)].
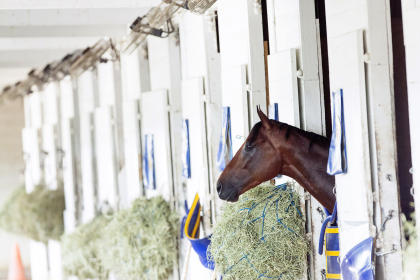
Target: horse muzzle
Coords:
[(227, 192)]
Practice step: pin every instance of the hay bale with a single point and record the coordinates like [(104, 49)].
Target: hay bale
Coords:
[(261, 236), (80, 250), (411, 254), (37, 215), (141, 241)]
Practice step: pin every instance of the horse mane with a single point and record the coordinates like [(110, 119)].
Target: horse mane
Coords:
[(312, 137)]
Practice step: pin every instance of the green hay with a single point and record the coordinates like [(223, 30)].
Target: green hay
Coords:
[(37, 215), (80, 250), (411, 255), (141, 241), (262, 236)]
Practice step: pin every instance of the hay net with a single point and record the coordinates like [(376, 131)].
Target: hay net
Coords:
[(262, 236), (37, 215)]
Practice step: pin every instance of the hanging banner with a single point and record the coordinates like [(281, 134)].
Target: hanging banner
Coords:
[(337, 159), (149, 173), (192, 232), (273, 111), (224, 154), (186, 157)]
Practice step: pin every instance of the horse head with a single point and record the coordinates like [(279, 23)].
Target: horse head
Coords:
[(274, 148), (256, 161)]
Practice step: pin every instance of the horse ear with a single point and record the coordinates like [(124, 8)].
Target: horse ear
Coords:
[(264, 120)]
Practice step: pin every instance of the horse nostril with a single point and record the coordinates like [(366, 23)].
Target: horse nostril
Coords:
[(219, 187)]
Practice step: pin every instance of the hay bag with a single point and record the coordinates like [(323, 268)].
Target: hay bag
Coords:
[(37, 215), (141, 241), (262, 236), (81, 250)]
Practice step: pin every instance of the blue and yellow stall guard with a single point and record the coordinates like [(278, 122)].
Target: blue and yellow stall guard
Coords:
[(329, 239), (191, 230)]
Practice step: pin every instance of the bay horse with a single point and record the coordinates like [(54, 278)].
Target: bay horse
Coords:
[(273, 148)]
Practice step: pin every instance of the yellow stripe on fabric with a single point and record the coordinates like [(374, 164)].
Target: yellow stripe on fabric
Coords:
[(189, 217), (331, 230), (332, 253), (333, 276)]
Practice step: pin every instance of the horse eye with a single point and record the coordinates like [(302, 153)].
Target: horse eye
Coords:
[(248, 147)]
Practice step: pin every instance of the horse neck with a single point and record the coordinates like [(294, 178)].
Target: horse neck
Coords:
[(307, 164)]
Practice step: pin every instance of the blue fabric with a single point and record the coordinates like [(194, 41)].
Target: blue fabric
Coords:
[(331, 219), (273, 111), (224, 154), (186, 157), (337, 159), (200, 245), (149, 173), (357, 264)]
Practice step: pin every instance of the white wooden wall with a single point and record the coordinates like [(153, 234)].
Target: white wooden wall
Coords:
[(33, 175), (411, 19), (67, 111), (135, 80), (165, 78), (242, 64), (295, 83), (369, 191)]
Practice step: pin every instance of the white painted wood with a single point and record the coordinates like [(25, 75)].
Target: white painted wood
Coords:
[(107, 175), (33, 176), (66, 100), (354, 197), (383, 138), (284, 85), (199, 57), (165, 73), (237, 100), (193, 111), (135, 79), (241, 43), (49, 148), (411, 19), (85, 99), (155, 122)]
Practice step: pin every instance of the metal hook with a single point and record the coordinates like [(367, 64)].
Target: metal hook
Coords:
[(387, 218), (393, 250)]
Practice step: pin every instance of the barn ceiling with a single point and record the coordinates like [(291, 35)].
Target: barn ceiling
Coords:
[(32, 33)]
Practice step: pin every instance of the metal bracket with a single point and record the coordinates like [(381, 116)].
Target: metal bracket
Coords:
[(393, 250), (387, 218), (321, 212)]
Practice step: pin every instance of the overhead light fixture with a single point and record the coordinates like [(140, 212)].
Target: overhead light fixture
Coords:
[(196, 6)]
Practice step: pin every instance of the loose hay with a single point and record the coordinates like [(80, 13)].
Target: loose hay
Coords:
[(37, 215), (262, 236), (141, 241), (411, 255), (80, 250)]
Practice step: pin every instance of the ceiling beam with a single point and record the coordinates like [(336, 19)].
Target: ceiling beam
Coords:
[(69, 17), (114, 31), (46, 43), (30, 58), (76, 4)]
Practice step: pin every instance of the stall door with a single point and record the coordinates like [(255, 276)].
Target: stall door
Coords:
[(157, 173)]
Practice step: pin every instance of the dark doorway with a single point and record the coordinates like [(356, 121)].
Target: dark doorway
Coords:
[(402, 123)]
